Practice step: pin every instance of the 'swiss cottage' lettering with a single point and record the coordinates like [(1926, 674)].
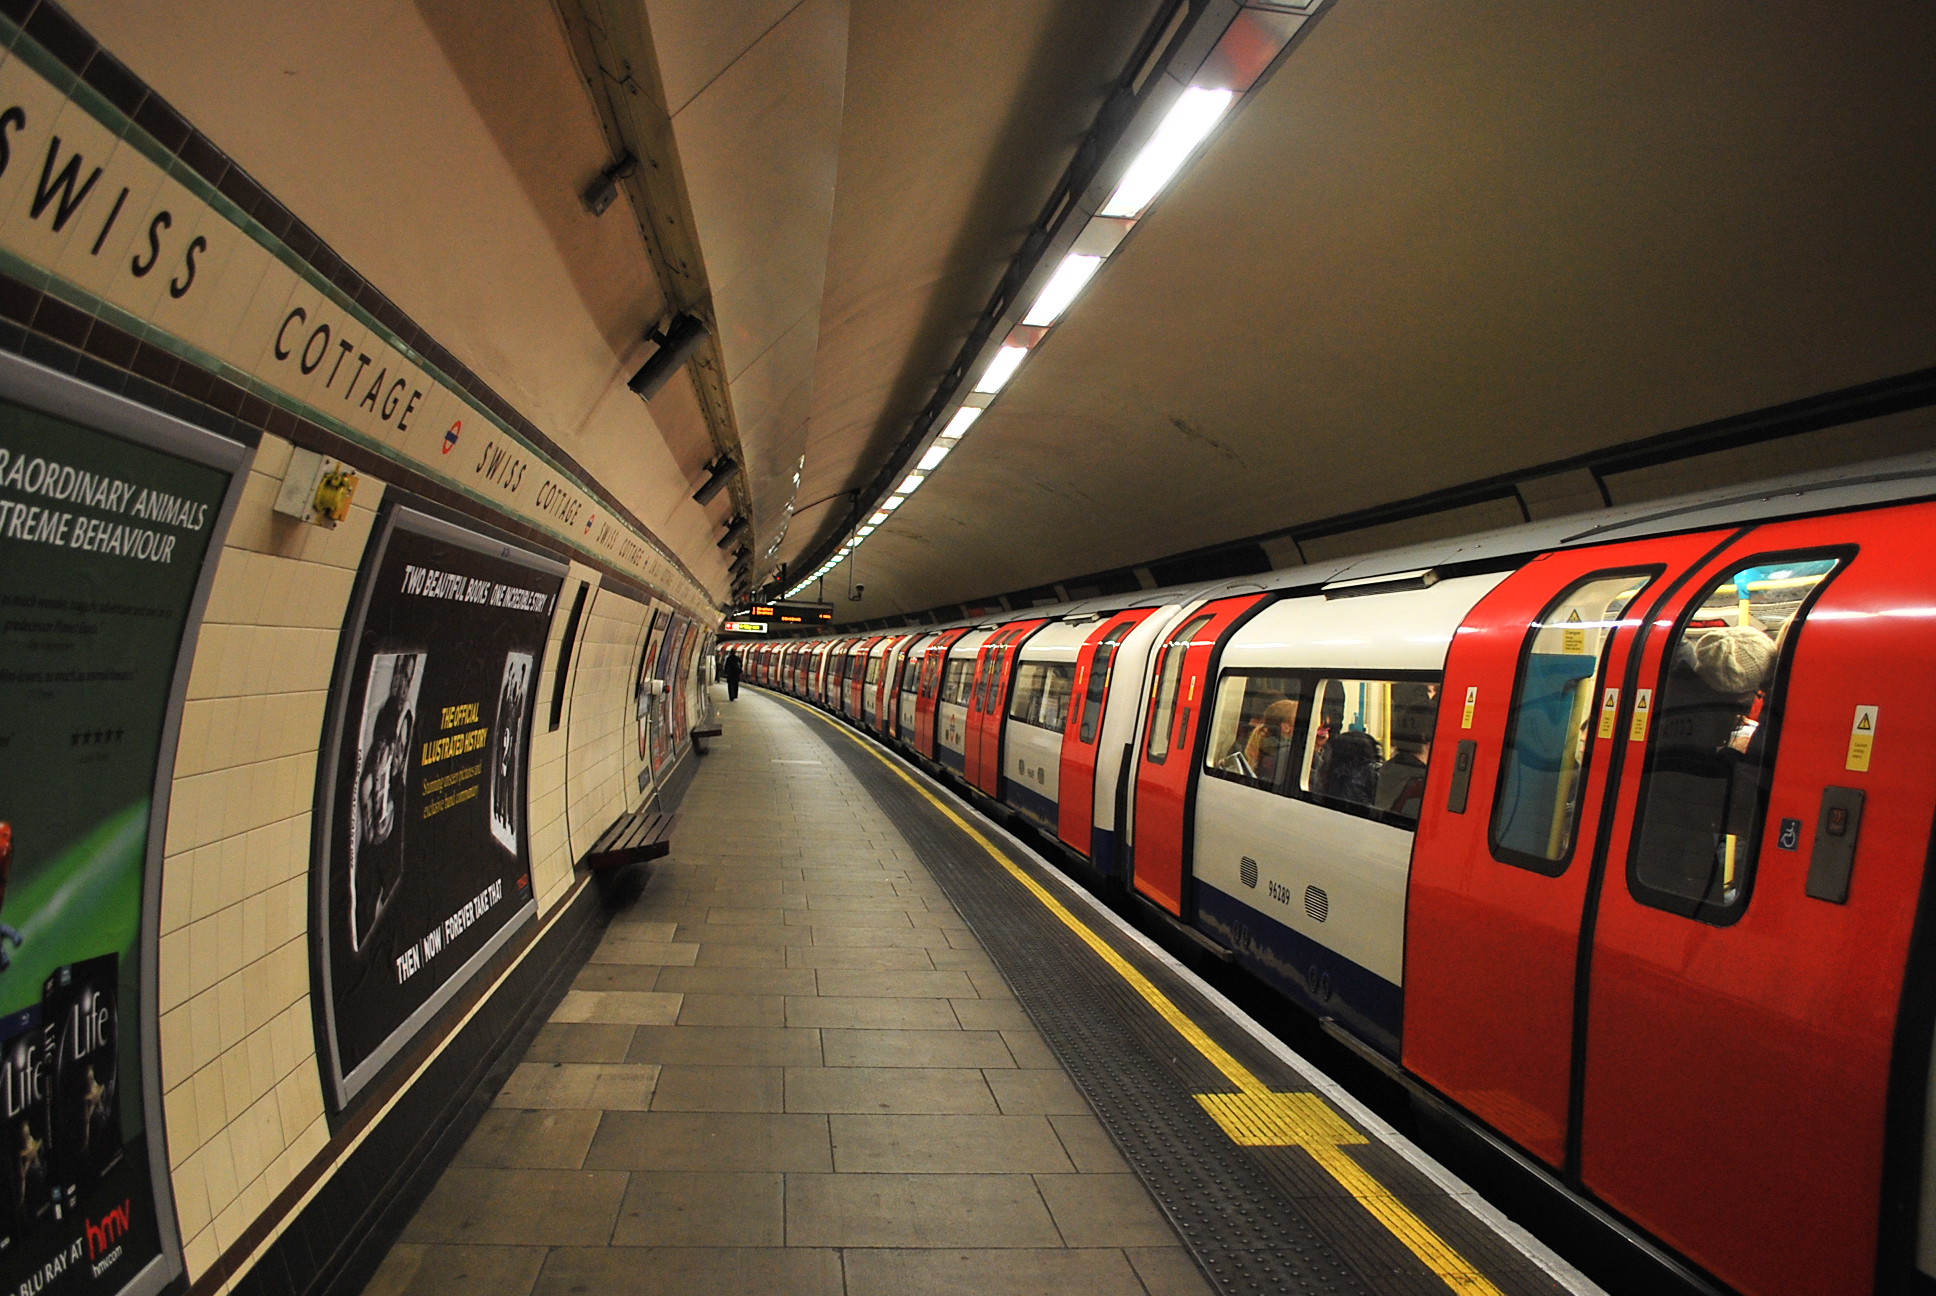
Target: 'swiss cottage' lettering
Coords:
[(69, 191)]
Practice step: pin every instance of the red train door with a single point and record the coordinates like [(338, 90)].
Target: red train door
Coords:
[(928, 699), (1753, 930), (1499, 874), (886, 687), (857, 679), (1076, 798), (990, 705), (1169, 747)]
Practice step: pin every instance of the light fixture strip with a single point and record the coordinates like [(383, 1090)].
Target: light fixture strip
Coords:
[(1177, 138)]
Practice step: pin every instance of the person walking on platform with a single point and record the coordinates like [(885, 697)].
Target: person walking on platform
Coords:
[(729, 667)]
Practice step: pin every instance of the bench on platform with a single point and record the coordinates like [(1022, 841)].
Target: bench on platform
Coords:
[(645, 834), (700, 735)]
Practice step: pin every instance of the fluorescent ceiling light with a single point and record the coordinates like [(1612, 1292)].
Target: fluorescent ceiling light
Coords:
[(911, 483), (1069, 279), (865, 532), (958, 425), (1182, 130), (1001, 368), (878, 518), (892, 502), (933, 458)]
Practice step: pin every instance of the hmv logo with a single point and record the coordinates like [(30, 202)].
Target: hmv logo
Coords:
[(106, 1233)]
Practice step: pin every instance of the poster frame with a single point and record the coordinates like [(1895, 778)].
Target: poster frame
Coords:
[(37, 387), (399, 512)]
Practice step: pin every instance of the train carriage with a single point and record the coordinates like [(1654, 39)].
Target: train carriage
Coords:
[(1592, 829)]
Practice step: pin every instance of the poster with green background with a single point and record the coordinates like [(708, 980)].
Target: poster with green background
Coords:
[(102, 544)]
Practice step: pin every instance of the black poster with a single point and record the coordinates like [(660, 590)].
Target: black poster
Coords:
[(423, 859), (108, 519)]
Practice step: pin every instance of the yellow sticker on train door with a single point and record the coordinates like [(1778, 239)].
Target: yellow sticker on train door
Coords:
[(1609, 712), (1573, 637), (1471, 704), (1862, 738), (1643, 711)]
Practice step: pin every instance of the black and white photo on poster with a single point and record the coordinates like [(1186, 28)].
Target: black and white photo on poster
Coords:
[(507, 766), (421, 855), (378, 818)]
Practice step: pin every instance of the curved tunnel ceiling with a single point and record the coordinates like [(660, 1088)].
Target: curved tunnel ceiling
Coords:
[(1442, 243)]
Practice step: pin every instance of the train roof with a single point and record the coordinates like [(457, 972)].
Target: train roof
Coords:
[(1857, 486)]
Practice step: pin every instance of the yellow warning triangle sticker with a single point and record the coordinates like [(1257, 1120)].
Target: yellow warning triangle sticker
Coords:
[(1864, 723), (1575, 615)]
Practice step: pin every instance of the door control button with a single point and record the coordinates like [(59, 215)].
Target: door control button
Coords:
[(1835, 837)]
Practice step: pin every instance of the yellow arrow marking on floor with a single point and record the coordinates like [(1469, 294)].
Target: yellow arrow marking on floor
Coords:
[(1255, 1116)]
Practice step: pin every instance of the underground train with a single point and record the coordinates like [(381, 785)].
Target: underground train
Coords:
[(1593, 829)]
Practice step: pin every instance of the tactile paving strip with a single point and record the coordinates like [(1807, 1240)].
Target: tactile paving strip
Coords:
[(1264, 1219)]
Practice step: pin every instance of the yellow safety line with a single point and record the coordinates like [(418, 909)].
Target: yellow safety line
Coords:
[(1256, 1116)]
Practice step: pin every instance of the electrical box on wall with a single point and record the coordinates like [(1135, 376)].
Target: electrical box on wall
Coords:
[(316, 489)]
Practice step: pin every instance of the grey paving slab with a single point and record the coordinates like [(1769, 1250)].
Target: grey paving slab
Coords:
[(726, 1046), (1168, 1271), (419, 1269), (900, 1210), (720, 1089), (887, 1089), (732, 1010), (1036, 1092), (944, 1144), (709, 1209), (691, 1271), (511, 1138), (617, 976), (991, 1014), (592, 1086), (861, 957), (853, 982), (1104, 1210), (626, 1007), (520, 1207), (864, 1013), (980, 1272), (581, 1042), (1089, 1145), (734, 981), (710, 1141), (914, 1048)]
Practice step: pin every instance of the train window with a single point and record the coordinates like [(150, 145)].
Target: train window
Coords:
[(873, 669), (1252, 728), (1368, 744), (1717, 717), (1097, 692), (958, 680), (1169, 672), (1041, 694), (1549, 733)]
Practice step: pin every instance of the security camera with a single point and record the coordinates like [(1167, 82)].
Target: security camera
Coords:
[(858, 591)]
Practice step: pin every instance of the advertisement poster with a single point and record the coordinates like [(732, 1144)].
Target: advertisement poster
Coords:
[(102, 542), (645, 700), (422, 853)]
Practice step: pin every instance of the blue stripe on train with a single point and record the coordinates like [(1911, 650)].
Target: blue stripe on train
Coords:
[(954, 760), (1031, 803), (1320, 980)]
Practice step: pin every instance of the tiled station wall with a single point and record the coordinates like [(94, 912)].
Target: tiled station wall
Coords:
[(243, 1097), (603, 760)]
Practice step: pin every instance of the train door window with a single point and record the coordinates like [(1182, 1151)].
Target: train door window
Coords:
[(1716, 718), (1098, 690), (1550, 730), (1041, 694), (1252, 728), (873, 669), (958, 681), (1368, 745), (1169, 673)]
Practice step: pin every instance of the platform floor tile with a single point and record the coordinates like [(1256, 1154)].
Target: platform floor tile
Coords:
[(790, 1068)]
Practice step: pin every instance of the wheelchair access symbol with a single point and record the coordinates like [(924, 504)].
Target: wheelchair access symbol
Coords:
[(1791, 834)]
